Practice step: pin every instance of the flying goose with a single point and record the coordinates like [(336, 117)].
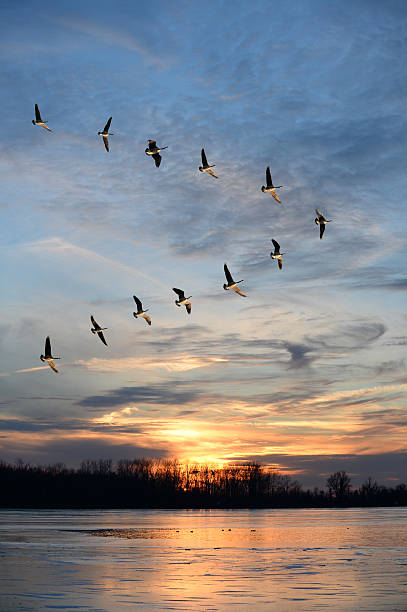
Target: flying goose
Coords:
[(48, 355), (38, 120), (96, 329), (205, 166), (106, 133), (277, 255), (182, 300), (321, 221), (270, 188), (154, 151), (140, 312), (231, 284)]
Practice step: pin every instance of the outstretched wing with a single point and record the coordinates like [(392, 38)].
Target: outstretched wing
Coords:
[(179, 292), (269, 182), (319, 215), (236, 288), (157, 159), (280, 263), (188, 307), (52, 365), (46, 127), (276, 245), (228, 274), (37, 113), (152, 145), (138, 303), (204, 160), (275, 196), (321, 230), (147, 318), (211, 172), (106, 143), (47, 347), (95, 325), (107, 126), (101, 336)]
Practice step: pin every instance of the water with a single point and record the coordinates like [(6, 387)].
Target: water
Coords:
[(283, 560)]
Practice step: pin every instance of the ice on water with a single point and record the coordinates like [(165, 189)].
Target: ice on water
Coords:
[(343, 559)]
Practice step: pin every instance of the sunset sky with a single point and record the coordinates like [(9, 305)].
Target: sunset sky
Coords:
[(308, 372)]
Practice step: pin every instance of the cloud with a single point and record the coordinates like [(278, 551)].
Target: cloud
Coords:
[(56, 246), (150, 395), (114, 37), (175, 363)]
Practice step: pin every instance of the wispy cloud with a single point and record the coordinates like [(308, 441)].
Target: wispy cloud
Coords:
[(175, 363)]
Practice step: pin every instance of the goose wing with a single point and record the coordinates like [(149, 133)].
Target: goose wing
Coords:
[(319, 215), (321, 230), (107, 126), (188, 307), (276, 246), (47, 347), (280, 263), (211, 172), (106, 143), (228, 274), (204, 160), (152, 144), (138, 304), (52, 365), (236, 288), (101, 336), (37, 114), (180, 293), (269, 182), (275, 196), (157, 159), (95, 325), (147, 318)]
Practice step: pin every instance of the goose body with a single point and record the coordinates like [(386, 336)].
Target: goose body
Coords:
[(321, 221), (154, 151), (231, 284), (182, 300), (38, 120), (140, 311), (48, 355), (96, 329), (105, 133), (205, 166), (277, 255), (269, 187)]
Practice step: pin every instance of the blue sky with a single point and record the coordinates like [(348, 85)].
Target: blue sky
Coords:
[(307, 373)]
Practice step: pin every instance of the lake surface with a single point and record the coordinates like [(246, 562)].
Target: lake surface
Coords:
[(208, 560)]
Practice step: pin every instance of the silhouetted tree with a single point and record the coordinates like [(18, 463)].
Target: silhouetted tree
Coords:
[(338, 484)]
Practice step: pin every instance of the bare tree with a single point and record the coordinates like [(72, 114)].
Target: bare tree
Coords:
[(338, 484)]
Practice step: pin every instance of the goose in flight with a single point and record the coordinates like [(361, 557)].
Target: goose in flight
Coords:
[(154, 151), (277, 255), (105, 133), (205, 166), (270, 188), (96, 329), (321, 221), (140, 312), (48, 355), (182, 300), (38, 120), (231, 284)]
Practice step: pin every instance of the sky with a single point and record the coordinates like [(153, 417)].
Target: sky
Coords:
[(307, 373)]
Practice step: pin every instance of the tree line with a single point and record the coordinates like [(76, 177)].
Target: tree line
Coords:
[(167, 483)]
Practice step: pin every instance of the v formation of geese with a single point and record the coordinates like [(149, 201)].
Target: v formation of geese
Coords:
[(154, 151)]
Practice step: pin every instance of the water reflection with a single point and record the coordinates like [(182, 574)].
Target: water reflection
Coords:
[(209, 560)]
